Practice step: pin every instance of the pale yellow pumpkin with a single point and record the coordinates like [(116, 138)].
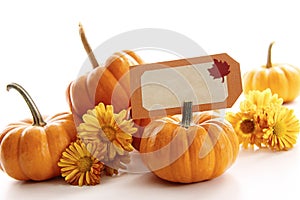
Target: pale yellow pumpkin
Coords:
[(282, 79)]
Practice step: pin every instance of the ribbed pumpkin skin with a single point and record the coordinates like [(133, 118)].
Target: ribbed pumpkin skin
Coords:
[(282, 79), (30, 152), (202, 152), (109, 85)]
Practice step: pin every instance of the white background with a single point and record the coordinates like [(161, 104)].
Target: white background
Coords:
[(40, 48)]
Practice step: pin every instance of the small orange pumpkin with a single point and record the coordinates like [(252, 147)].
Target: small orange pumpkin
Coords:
[(282, 79), (109, 84), (199, 148), (30, 149)]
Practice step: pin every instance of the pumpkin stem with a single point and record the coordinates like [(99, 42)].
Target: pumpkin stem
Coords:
[(87, 47), (37, 117), (269, 61), (187, 114)]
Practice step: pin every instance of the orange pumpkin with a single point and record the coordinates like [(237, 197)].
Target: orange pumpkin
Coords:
[(282, 79), (30, 149), (102, 84), (199, 148), (109, 84)]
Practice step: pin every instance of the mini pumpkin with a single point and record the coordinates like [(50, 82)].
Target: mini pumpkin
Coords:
[(198, 148), (282, 79), (109, 84), (30, 149)]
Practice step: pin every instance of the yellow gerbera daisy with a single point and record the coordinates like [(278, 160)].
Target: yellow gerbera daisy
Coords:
[(111, 131), (246, 128), (283, 129), (79, 166), (260, 100)]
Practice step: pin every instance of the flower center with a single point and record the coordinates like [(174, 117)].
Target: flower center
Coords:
[(247, 126), (279, 128), (110, 132), (84, 164)]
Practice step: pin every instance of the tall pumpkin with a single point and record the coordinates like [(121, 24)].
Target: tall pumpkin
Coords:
[(30, 149), (108, 84), (198, 148)]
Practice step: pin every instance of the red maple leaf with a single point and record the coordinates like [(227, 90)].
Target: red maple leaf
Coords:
[(220, 69)]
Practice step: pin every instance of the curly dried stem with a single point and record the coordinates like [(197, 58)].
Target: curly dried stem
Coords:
[(37, 117), (87, 47)]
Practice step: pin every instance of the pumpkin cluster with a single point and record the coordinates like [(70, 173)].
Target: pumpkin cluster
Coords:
[(51, 136), (185, 148), (205, 146), (110, 85)]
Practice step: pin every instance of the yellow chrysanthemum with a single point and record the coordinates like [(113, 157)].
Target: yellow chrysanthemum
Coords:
[(260, 100), (283, 129), (246, 128), (263, 121), (112, 131), (78, 165)]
